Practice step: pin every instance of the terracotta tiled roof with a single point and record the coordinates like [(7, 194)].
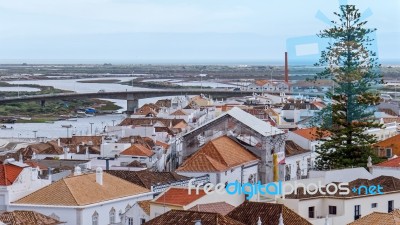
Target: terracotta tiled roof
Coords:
[(165, 129), (63, 164), (222, 208), (262, 82), (164, 103), (392, 142), (148, 109), (300, 105), (178, 196), (136, 139), (180, 125), (249, 212), (145, 205), (50, 147), (292, 148), (311, 133), (162, 144), (137, 150), (19, 217), (378, 218), (391, 120), (8, 174), (146, 178), (391, 163), (82, 190), (81, 141), (389, 185), (319, 105), (178, 112), (389, 112), (149, 121), (219, 154), (136, 163), (175, 217)]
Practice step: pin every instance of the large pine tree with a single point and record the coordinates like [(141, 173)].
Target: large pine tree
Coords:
[(354, 70)]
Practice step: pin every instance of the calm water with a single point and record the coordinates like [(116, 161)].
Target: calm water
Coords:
[(54, 130), (74, 85), (82, 125), (16, 89)]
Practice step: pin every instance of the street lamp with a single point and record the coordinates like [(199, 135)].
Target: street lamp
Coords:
[(34, 133), (113, 122), (67, 126), (132, 78), (91, 128)]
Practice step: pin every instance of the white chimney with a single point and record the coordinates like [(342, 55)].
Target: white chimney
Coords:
[(21, 160), (87, 152), (77, 171), (369, 164), (66, 150), (259, 221), (154, 135), (59, 142), (326, 221), (197, 222), (78, 148), (99, 175), (281, 220)]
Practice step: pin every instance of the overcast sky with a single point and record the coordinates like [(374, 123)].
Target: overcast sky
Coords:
[(140, 31)]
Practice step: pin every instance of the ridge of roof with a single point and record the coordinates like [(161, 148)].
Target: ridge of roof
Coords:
[(82, 190)]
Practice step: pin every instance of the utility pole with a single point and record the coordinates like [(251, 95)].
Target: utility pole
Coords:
[(34, 133)]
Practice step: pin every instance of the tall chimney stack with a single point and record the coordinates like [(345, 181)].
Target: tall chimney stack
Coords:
[(286, 68)]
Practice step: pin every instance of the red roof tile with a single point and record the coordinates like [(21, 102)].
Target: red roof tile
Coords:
[(311, 133), (179, 196), (138, 150), (8, 174), (219, 154), (261, 82), (391, 163), (180, 217), (20, 217), (222, 208), (379, 218)]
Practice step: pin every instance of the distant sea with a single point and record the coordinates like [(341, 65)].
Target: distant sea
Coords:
[(257, 62)]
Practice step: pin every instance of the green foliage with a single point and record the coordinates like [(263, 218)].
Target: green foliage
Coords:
[(353, 69)]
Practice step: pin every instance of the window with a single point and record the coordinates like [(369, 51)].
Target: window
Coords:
[(112, 215), (332, 210), (142, 221), (130, 221), (390, 206), (389, 152), (95, 218), (374, 205), (357, 214), (311, 212)]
